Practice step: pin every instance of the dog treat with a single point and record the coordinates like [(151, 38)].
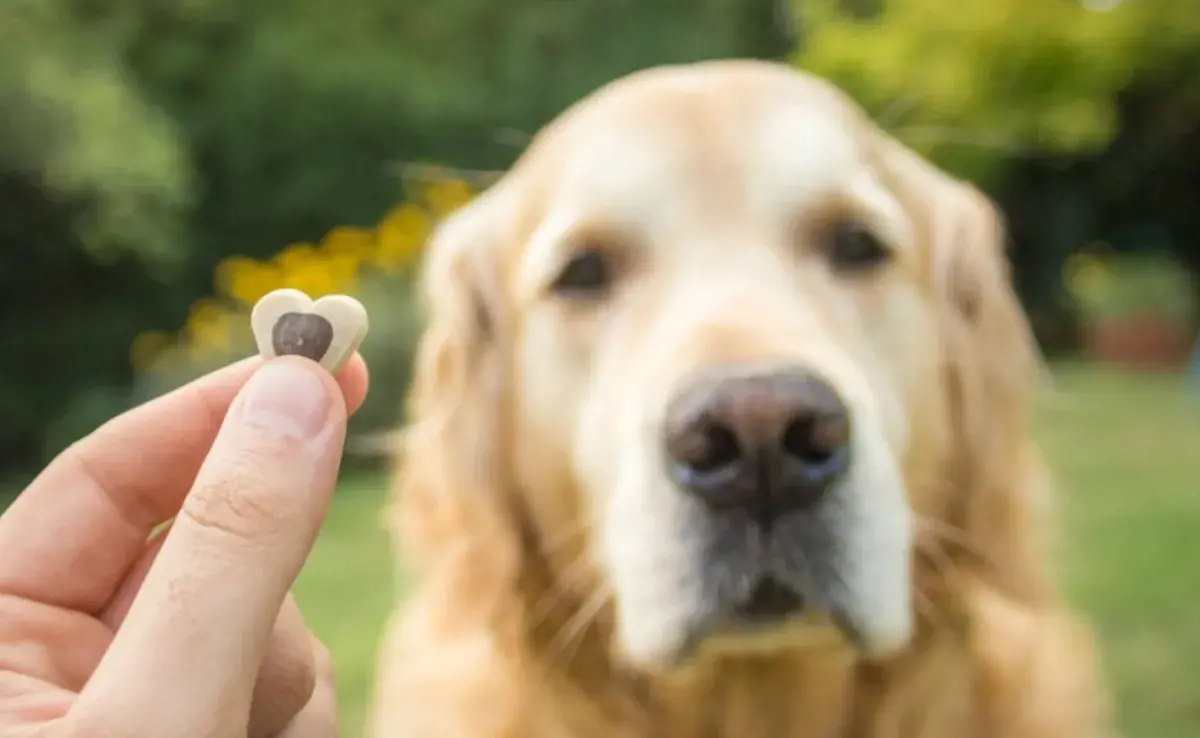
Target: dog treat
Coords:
[(328, 330)]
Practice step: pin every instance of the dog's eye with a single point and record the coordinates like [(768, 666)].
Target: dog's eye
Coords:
[(852, 247), (588, 274)]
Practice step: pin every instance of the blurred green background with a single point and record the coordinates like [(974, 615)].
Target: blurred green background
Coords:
[(164, 163)]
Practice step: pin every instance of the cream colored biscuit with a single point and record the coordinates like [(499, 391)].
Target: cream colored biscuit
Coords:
[(328, 330)]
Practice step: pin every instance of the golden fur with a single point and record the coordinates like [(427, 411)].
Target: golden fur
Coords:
[(510, 632)]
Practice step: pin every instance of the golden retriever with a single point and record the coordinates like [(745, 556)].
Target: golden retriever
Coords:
[(719, 431)]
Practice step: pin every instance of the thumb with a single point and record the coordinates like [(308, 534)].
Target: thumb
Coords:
[(188, 651)]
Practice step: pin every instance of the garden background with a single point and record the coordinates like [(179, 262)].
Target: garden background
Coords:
[(163, 163)]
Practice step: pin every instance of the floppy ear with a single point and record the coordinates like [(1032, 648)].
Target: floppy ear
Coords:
[(990, 366), (453, 476)]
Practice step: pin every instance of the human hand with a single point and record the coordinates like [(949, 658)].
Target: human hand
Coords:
[(105, 631)]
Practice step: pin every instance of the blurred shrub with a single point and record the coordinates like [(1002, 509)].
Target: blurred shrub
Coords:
[(1121, 285), (970, 83), (76, 119)]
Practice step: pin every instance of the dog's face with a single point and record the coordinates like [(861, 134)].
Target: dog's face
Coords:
[(716, 302)]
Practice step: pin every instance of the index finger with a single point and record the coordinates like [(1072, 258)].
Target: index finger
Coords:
[(71, 536)]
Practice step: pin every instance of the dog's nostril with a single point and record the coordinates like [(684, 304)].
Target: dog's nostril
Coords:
[(707, 448), (771, 442), (815, 438)]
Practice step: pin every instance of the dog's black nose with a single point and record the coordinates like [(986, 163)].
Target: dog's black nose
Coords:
[(767, 441)]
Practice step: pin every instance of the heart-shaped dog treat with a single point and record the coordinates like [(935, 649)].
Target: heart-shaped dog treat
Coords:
[(328, 331)]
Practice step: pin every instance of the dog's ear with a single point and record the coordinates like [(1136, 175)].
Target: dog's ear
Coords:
[(453, 475), (990, 367)]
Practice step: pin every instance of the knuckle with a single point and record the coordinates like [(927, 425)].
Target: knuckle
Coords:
[(286, 682), (277, 702), (293, 662), (243, 500), (323, 661), (304, 682)]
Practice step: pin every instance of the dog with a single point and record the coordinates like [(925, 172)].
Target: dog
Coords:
[(719, 430)]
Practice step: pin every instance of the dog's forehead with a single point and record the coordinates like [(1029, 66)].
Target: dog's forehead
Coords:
[(696, 157), (719, 137)]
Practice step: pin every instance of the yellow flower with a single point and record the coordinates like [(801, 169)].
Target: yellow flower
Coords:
[(303, 267), (447, 195), (342, 270), (296, 256), (348, 242), (400, 236), (209, 327), (330, 267), (146, 349), (170, 359), (311, 277), (246, 280)]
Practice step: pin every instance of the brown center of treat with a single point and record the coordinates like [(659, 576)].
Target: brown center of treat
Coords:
[(302, 334)]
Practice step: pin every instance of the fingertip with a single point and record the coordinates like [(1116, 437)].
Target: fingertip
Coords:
[(354, 380)]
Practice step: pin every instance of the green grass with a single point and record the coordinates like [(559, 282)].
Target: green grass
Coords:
[(347, 590), (1127, 454)]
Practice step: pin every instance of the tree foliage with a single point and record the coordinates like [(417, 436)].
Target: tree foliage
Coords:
[(976, 83), (78, 125)]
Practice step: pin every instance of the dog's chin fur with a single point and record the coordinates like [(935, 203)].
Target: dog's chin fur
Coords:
[(677, 573), (566, 589)]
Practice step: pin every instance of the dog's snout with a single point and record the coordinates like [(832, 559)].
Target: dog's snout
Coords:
[(769, 442)]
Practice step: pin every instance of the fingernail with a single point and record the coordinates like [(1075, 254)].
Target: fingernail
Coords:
[(287, 398)]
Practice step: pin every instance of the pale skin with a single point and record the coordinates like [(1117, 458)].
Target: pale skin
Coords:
[(108, 630)]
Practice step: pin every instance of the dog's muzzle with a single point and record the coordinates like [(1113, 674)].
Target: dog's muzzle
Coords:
[(765, 451)]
